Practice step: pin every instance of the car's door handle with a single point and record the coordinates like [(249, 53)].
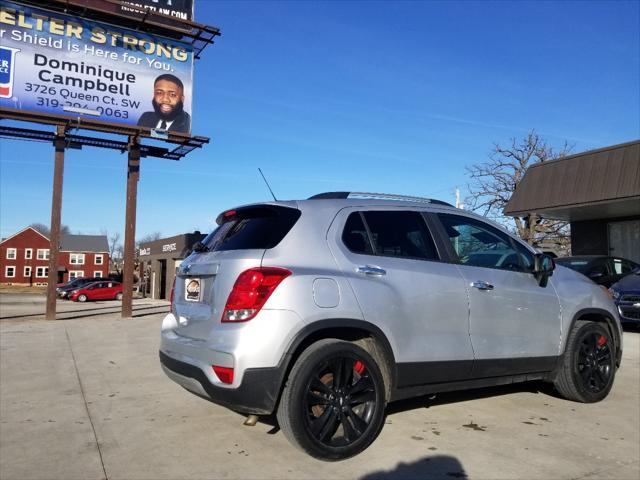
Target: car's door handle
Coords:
[(371, 270), (482, 285)]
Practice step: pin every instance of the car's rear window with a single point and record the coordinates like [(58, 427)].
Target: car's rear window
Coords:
[(577, 265), (257, 227)]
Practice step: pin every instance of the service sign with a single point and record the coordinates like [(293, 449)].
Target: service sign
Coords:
[(59, 64)]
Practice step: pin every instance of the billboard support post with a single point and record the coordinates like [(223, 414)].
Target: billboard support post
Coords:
[(56, 215), (133, 175)]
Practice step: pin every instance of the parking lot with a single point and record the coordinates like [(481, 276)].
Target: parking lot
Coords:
[(84, 398)]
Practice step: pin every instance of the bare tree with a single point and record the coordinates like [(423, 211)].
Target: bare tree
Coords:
[(43, 229), (494, 181), (150, 237), (143, 275), (116, 254)]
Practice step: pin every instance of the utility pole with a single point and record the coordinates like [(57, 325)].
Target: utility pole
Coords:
[(56, 214), (133, 175)]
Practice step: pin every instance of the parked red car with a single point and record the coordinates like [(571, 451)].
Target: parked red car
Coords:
[(107, 290)]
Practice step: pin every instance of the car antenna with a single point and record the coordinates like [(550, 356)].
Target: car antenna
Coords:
[(265, 181)]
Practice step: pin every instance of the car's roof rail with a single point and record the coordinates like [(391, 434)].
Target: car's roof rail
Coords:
[(383, 196)]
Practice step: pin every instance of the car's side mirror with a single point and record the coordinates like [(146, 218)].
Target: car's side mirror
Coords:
[(543, 268)]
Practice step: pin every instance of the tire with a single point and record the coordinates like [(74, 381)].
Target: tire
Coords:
[(332, 406), (82, 298), (588, 368), (118, 296)]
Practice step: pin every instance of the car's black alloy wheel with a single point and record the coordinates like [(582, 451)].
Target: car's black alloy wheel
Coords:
[(588, 368), (333, 403), (594, 362)]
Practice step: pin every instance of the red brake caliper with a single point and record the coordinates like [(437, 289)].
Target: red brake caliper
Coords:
[(602, 341), (358, 367)]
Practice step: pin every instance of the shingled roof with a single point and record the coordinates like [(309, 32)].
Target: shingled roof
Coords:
[(603, 183), (84, 243)]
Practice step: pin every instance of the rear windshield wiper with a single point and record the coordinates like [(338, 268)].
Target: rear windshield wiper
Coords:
[(200, 247)]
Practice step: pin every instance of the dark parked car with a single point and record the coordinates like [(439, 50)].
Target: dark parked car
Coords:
[(626, 293), (63, 289), (601, 269), (107, 290)]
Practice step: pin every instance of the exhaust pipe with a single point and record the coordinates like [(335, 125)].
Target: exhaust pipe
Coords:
[(251, 421)]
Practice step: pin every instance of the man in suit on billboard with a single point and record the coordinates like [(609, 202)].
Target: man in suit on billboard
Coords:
[(168, 104)]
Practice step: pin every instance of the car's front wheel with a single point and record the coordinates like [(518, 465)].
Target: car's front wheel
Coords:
[(588, 366), (118, 296), (82, 298), (333, 403)]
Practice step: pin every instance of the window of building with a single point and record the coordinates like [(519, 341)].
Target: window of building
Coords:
[(43, 254), (97, 273), (28, 253), (99, 259), (42, 272), (73, 274), (12, 253), (27, 272), (76, 259), (9, 272)]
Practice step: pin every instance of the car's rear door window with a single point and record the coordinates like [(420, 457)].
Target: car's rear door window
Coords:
[(389, 233), (355, 235)]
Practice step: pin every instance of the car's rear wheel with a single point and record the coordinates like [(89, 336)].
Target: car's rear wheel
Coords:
[(118, 296), (333, 403), (82, 298), (588, 366)]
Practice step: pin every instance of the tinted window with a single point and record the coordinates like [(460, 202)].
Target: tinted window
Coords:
[(577, 265), (400, 234), (355, 235), (478, 244), (620, 266), (253, 227)]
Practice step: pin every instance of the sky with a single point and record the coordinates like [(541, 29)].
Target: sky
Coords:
[(376, 96)]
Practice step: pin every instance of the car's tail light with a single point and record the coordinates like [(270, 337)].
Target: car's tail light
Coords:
[(171, 295), (225, 374), (250, 292)]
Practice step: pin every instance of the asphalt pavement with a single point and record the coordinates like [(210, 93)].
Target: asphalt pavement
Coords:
[(84, 397)]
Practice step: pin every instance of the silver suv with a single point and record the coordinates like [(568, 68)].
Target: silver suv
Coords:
[(324, 310)]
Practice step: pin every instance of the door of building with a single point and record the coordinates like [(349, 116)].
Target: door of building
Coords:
[(624, 240), (163, 280)]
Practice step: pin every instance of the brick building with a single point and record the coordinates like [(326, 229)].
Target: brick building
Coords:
[(24, 258)]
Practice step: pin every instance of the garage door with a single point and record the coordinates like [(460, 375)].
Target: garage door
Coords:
[(624, 240)]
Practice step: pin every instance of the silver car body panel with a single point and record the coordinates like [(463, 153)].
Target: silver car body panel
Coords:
[(427, 310)]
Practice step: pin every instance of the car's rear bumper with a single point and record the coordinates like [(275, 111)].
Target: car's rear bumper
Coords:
[(257, 394)]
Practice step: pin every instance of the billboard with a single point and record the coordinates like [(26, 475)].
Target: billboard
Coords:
[(182, 9), (59, 64)]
